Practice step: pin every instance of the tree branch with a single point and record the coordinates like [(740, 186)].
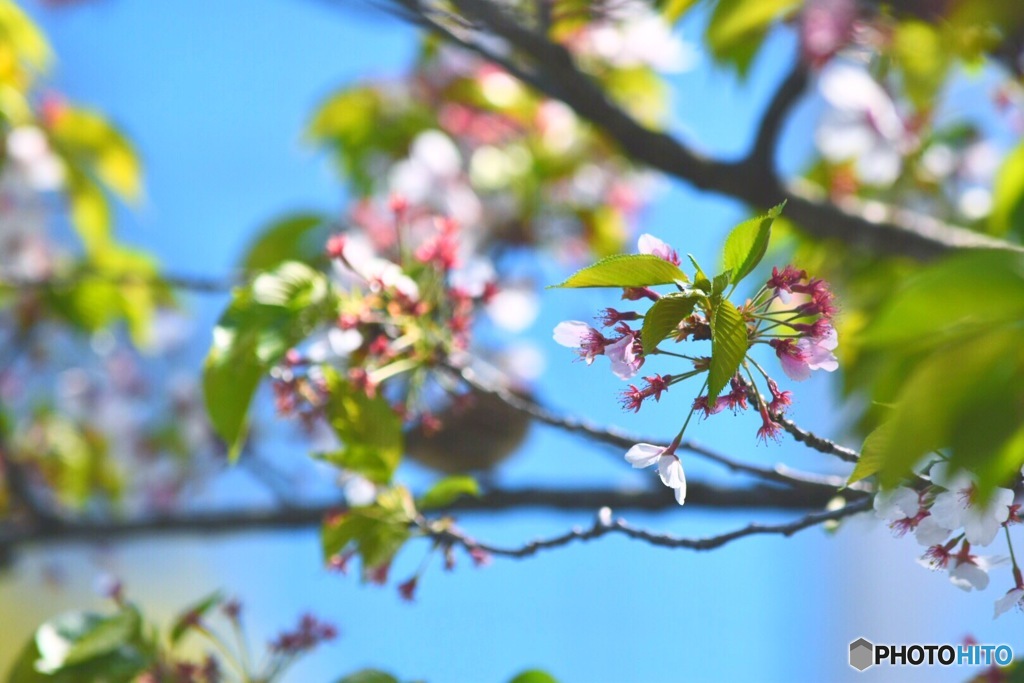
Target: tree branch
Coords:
[(605, 527), (700, 494), (623, 440), (762, 153), (557, 76), (191, 283)]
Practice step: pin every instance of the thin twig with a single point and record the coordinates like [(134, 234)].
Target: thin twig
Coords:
[(601, 528), (621, 439), (556, 75)]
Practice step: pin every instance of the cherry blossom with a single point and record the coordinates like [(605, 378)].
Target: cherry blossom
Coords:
[(862, 125), (624, 356), (670, 469), (1013, 598), (956, 507), (800, 357), (588, 342), (896, 504), (649, 244)]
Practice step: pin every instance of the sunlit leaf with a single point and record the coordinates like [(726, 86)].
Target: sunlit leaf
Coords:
[(534, 676), (368, 676), (738, 27), (728, 347), (93, 142), (627, 270), (959, 296), (447, 491), (370, 431), (872, 454), (664, 316), (188, 617), (264, 320), (747, 243), (937, 401), (1008, 195), (297, 237)]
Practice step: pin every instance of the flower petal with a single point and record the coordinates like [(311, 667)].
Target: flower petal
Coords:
[(671, 471), (643, 455)]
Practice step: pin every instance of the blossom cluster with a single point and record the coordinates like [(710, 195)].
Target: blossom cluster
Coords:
[(791, 313), (948, 519), (407, 300)]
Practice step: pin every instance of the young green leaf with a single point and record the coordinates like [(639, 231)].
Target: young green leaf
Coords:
[(447, 491), (746, 244), (534, 676), (264, 320), (296, 237), (1008, 195), (728, 347), (368, 676), (370, 431), (718, 286), (700, 280), (664, 316), (627, 270), (189, 616), (871, 454)]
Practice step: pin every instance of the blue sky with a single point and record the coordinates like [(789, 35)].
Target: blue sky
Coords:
[(215, 93)]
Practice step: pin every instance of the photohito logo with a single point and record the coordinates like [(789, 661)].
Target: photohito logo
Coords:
[(865, 654)]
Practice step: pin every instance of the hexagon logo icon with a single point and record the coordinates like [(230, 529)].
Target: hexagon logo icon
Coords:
[(862, 654)]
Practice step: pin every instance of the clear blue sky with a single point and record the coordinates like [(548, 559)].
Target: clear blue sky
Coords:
[(215, 93)]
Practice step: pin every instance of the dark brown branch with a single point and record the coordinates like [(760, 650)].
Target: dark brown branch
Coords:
[(190, 283), (818, 443), (762, 154), (605, 527), (700, 494), (623, 440), (556, 75)]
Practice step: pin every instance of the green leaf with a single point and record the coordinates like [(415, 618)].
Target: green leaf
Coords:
[(936, 403), (718, 286), (664, 316), (186, 619), (90, 211), (447, 491), (872, 454), (89, 139), (746, 244), (370, 431), (84, 648), (368, 676), (377, 531), (920, 52), (700, 280), (534, 676), (81, 646), (297, 237), (957, 297), (627, 270), (19, 31), (728, 347), (1008, 195), (264, 320), (673, 10), (738, 27)]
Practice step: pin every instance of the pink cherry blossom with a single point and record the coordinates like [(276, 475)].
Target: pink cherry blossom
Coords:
[(801, 356), (588, 342), (624, 356), (649, 244)]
